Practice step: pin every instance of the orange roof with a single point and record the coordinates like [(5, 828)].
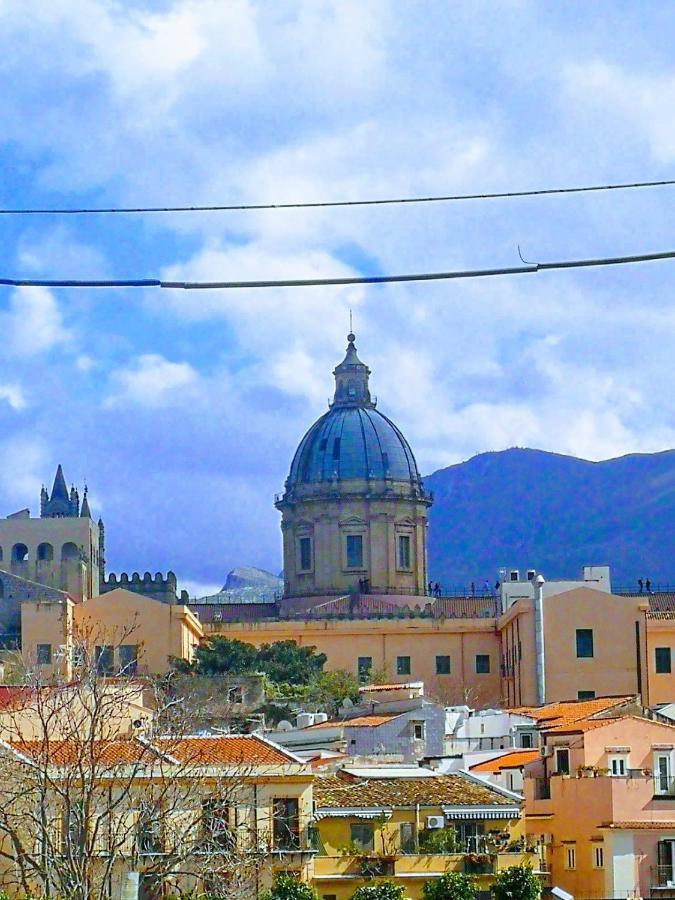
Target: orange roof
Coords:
[(668, 825), (98, 753), (247, 749), (219, 750), (356, 722), (514, 760), (567, 712)]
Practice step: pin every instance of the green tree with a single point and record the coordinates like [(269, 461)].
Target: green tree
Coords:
[(329, 689), (288, 887), (450, 886), (516, 883), (286, 662), (221, 655), (381, 890)]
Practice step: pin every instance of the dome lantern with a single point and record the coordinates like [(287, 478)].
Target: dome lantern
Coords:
[(351, 379)]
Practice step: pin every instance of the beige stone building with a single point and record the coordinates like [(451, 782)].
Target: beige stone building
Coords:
[(63, 548), (354, 509)]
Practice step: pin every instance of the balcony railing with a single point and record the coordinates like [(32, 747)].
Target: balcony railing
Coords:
[(663, 877)]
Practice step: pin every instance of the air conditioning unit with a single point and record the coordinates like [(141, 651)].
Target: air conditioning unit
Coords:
[(435, 821), (545, 751)]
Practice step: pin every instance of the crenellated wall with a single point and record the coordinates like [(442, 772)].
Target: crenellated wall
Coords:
[(157, 587)]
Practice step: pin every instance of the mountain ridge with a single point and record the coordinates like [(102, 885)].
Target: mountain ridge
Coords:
[(529, 508)]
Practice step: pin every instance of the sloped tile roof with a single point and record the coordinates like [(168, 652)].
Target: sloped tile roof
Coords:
[(334, 792), (224, 750), (356, 722), (667, 825), (246, 749), (98, 753), (567, 712), (513, 760)]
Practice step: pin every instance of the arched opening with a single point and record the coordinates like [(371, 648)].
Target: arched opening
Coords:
[(45, 552), (19, 553), (70, 551)]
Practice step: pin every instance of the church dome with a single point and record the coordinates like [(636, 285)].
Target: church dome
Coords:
[(353, 440)]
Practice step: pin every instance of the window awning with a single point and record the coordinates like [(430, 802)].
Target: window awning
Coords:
[(344, 813), (481, 812)]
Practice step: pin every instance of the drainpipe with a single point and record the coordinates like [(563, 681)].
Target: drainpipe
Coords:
[(540, 668)]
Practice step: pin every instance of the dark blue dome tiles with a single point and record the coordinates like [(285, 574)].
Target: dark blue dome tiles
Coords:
[(353, 442)]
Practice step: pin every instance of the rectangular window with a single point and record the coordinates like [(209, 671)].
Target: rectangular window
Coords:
[(44, 654), (128, 654), (104, 660), (403, 665), (418, 730), (305, 545), (362, 835), (364, 667), (598, 857), (662, 659), (482, 664), (149, 830), (584, 643), (286, 823), (442, 665), (404, 555), (354, 551), (562, 761), (618, 765), (216, 832), (407, 837), (526, 741), (570, 858), (585, 695)]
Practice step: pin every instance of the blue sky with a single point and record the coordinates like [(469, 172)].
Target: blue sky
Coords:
[(183, 410)]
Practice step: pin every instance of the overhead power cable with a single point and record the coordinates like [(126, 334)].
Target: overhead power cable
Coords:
[(526, 269), (322, 204)]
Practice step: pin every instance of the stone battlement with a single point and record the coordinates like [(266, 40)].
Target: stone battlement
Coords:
[(157, 587)]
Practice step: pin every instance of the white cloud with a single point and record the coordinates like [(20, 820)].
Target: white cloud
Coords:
[(14, 395), (24, 462), (153, 381), (642, 99), (33, 324)]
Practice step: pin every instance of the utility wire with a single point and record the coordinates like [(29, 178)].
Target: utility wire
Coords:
[(527, 269), (389, 201)]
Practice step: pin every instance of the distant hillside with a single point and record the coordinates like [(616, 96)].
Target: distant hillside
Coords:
[(531, 509)]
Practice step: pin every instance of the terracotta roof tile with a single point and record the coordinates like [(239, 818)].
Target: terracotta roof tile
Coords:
[(356, 722), (568, 711), (222, 750), (513, 760), (333, 792), (403, 685), (225, 750), (667, 825), (99, 753)]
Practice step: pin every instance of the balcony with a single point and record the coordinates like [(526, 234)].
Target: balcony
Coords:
[(663, 880), (420, 865)]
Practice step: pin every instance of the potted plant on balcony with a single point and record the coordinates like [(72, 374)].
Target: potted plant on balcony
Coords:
[(385, 890), (477, 863)]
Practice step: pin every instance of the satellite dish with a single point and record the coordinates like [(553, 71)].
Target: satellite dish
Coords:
[(285, 725), (347, 703)]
